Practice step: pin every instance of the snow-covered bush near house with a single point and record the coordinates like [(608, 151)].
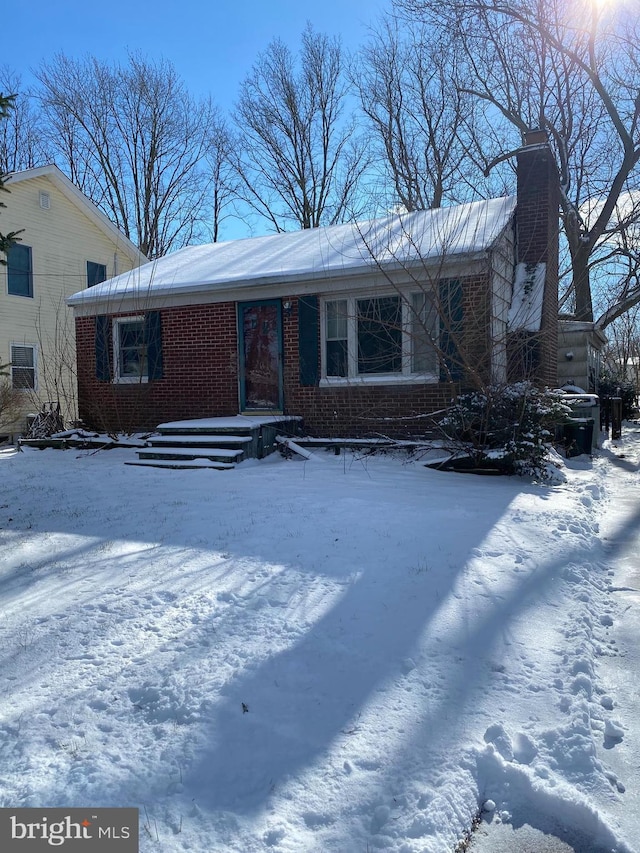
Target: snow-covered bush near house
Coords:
[(509, 426), (329, 656)]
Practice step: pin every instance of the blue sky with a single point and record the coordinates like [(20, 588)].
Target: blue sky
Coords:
[(212, 44)]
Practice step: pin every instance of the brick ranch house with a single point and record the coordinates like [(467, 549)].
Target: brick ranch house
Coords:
[(358, 329)]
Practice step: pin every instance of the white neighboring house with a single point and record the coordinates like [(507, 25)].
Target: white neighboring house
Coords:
[(66, 244)]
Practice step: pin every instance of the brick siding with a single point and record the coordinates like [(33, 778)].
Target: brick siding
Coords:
[(200, 377), (537, 227), (200, 349)]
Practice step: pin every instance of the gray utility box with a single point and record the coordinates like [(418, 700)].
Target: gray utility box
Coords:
[(586, 406)]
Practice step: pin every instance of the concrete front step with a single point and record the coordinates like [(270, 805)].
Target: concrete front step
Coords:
[(214, 442), (198, 440), (232, 425), (214, 454), (186, 464)]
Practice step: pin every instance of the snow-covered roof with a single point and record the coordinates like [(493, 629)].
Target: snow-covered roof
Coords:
[(321, 253)]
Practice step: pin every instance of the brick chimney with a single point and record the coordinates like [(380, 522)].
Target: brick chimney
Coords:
[(534, 351)]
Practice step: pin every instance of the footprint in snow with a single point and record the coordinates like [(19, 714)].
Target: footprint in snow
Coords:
[(524, 749), (615, 782), (613, 731), (317, 820), (164, 596), (582, 684), (272, 837), (497, 735)]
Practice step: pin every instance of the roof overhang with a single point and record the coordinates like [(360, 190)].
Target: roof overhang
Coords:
[(374, 277), (421, 244)]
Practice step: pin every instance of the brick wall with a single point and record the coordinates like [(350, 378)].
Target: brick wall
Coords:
[(537, 226), (199, 347), (397, 410), (200, 377)]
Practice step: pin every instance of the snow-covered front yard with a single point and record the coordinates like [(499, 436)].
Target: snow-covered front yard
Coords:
[(347, 654)]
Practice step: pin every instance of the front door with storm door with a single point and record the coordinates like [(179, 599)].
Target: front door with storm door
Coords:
[(260, 340)]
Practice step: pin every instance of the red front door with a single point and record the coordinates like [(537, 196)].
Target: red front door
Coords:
[(260, 328)]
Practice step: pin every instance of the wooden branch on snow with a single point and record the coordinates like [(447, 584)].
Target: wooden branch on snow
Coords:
[(291, 445)]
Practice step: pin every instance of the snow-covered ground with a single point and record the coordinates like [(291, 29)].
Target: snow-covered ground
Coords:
[(345, 654)]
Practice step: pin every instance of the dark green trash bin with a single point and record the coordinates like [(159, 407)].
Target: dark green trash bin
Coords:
[(578, 436)]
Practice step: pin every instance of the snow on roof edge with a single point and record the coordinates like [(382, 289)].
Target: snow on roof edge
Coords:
[(323, 253)]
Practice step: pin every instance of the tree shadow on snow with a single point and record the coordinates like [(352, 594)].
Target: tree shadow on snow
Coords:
[(298, 702), (282, 715)]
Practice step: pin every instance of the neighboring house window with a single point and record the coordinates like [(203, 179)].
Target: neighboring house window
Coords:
[(23, 366), (130, 350), (95, 273), (394, 335), (19, 270)]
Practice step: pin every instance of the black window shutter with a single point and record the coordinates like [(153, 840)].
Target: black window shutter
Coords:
[(104, 347), (153, 341), (451, 326), (308, 338)]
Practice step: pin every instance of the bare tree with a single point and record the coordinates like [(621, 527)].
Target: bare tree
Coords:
[(572, 69), (300, 159), (424, 126), (224, 179), (135, 142), (6, 240), (622, 355), (11, 405), (21, 136)]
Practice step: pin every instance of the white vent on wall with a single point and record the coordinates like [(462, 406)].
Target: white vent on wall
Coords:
[(45, 200)]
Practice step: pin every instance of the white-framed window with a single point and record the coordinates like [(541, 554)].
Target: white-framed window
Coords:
[(129, 350), (594, 367), (23, 367), (373, 338)]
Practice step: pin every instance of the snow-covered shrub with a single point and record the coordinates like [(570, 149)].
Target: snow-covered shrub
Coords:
[(508, 427)]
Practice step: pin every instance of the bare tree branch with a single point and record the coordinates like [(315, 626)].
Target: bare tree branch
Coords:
[(299, 161), (574, 70), (133, 139), (423, 126)]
